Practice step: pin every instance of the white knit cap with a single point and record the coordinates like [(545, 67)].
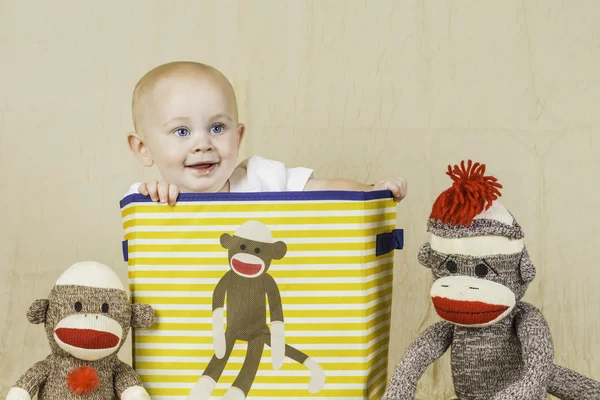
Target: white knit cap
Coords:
[(91, 274)]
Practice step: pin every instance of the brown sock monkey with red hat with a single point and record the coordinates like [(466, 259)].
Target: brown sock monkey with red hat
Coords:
[(501, 346)]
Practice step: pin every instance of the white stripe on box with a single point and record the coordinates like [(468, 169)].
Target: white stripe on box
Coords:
[(264, 359), (280, 373), (288, 320), (244, 346), (258, 386), (386, 259), (311, 333), (315, 396), (273, 228), (280, 281), (295, 307), (217, 254), (259, 214), (288, 240), (284, 293)]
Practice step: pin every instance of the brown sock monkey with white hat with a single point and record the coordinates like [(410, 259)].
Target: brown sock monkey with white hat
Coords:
[(87, 317), (501, 347)]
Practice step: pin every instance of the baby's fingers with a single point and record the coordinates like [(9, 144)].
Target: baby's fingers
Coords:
[(402, 189), (173, 194), (153, 190), (163, 191), (143, 189)]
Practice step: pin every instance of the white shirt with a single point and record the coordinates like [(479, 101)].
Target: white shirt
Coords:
[(257, 174)]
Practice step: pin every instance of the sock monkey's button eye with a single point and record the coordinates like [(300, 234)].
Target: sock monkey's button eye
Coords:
[(481, 270), (257, 250), (104, 308), (451, 267), (243, 247), (78, 306)]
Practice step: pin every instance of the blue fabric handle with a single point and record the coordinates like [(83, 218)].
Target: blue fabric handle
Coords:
[(389, 241), (125, 248)]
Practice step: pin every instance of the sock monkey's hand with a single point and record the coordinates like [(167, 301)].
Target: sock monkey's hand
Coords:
[(135, 393), (402, 385), (397, 391), (277, 344), (16, 393), (218, 333)]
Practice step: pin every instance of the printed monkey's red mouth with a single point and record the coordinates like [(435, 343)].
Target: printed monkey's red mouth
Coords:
[(245, 268), (467, 312), (87, 338)]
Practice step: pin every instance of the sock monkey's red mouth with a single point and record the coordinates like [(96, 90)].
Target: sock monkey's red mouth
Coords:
[(467, 312), (245, 268), (87, 338)]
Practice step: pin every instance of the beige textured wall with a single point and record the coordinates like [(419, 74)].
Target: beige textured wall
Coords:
[(357, 89)]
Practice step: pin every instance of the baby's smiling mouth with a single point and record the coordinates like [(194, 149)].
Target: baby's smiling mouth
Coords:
[(202, 168)]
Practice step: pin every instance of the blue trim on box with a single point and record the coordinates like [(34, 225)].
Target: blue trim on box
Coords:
[(269, 196), (389, 241), (125, 249)]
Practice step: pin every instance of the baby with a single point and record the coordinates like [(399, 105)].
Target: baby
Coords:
[(186, 122)]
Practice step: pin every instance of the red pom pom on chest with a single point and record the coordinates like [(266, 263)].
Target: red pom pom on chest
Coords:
[(83, 380)]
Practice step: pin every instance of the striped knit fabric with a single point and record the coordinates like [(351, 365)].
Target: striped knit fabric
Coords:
[(335, 291)]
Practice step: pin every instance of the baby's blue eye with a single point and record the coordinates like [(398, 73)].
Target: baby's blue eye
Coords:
[(217, 129), (182, 132)]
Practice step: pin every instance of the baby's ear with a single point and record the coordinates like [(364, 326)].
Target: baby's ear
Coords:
[(526, 267), (424, 255), (139, 149), (36, 314), (142, 315)]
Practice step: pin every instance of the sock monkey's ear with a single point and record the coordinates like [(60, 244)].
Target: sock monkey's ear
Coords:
[(226, 241), (142, 315), (526, 267), (424, 255), (36, 314), (278, 250)]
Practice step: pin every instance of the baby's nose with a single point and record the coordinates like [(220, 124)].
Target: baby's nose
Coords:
[(203, 146)]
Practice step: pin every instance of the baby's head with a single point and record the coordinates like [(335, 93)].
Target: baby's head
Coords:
[(186, 121)]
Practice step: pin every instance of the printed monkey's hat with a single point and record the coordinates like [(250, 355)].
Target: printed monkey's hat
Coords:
[(470, 209)]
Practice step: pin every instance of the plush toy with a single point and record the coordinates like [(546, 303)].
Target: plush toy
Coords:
[(87, 317), (501, 347)]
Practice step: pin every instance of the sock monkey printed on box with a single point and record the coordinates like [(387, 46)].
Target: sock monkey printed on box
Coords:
[(251, 250), (501, 347)]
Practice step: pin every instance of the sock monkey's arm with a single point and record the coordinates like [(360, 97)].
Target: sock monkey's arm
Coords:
[(218, 299), (428, 347), (537, 352), (274, 297), (128, 385), (30, 382), (566, 384)]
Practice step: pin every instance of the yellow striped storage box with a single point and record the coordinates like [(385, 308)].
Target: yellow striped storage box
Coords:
[(328, 289)]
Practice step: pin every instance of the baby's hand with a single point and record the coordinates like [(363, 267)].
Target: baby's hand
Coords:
[(396, 185), (160, 191)]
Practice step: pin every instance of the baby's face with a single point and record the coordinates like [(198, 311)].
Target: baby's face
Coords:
[(189, 124)]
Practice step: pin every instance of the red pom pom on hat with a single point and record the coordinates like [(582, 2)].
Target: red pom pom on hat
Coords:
[(471, 193), (83, 380)]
